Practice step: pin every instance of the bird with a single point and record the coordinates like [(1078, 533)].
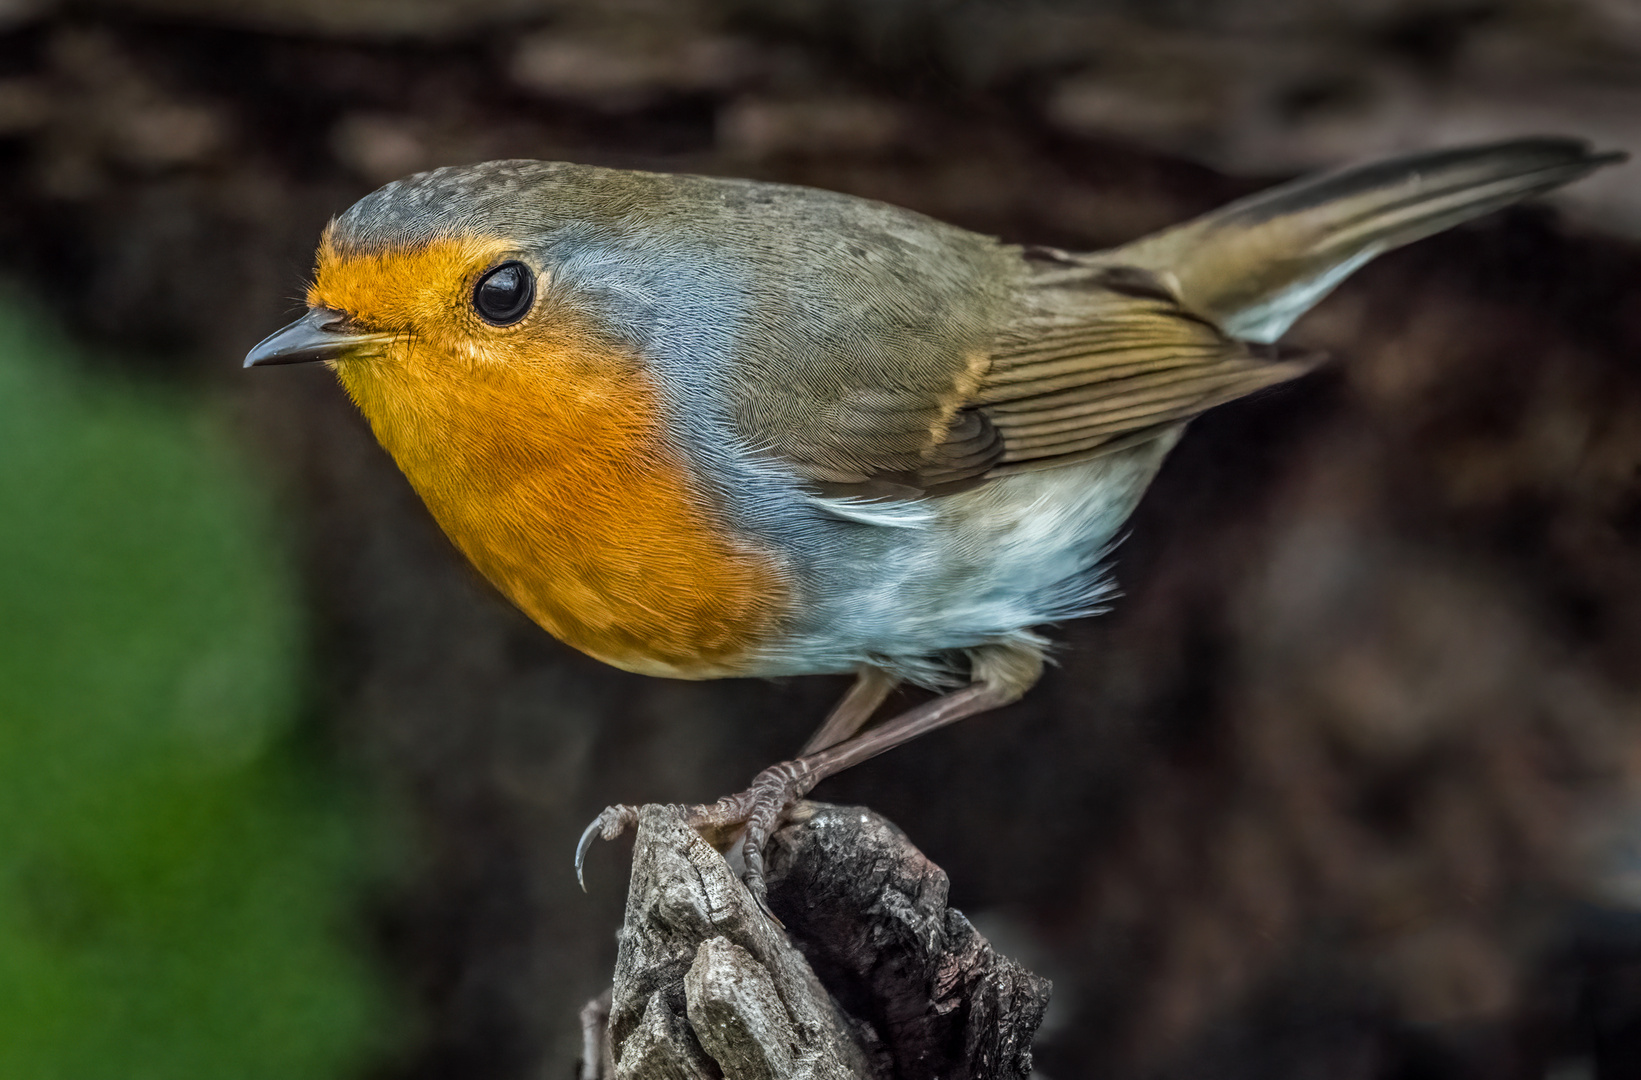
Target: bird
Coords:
[(703, 427)]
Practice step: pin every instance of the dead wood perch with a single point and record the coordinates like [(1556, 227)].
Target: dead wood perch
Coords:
[(873, 975)]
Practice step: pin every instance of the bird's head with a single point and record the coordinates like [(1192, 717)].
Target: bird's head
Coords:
[(463, 289), (498, 327), (432, 265)]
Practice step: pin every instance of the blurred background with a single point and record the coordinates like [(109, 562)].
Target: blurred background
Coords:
[(1347, 784)]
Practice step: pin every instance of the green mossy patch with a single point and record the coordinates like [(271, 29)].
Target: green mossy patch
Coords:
[(178, 878)]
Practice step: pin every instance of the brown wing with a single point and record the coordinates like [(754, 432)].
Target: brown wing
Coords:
[(1105, 357), (1090, 359), (1100, 352)]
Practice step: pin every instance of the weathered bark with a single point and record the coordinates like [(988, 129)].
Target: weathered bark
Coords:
[(872, 975)]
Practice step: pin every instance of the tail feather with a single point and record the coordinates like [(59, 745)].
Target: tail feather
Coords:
[(1256, 265)]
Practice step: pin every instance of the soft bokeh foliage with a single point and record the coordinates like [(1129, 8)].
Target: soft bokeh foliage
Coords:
[(177, 878)]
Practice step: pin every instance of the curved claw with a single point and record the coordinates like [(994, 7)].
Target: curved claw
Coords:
[(758, 810), (588, 835), (609, 824)]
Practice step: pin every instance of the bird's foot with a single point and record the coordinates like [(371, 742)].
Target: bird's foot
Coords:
[(754, 813)]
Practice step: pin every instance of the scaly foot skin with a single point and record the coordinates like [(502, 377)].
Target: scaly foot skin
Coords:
[(758, 810)]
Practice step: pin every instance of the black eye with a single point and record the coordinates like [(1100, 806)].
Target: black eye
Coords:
[(504, 294)]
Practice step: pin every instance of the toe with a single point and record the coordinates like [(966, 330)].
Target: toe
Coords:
[(610, 824)]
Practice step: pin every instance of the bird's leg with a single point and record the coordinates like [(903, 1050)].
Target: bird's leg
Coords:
[(872, 686), (773, 791)]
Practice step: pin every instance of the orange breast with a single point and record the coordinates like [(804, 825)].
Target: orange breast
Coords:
[(540, 454)]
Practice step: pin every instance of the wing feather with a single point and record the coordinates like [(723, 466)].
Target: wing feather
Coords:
[(1090, 359), (1100, 355)]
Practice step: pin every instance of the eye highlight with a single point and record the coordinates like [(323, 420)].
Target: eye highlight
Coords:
[(505, 293)]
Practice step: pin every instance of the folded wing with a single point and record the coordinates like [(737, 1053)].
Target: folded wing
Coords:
[(1102, 351)]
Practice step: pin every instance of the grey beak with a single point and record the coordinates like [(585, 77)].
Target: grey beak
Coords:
[(311, 338)]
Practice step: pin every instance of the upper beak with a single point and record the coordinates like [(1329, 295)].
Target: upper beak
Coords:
[(311, 338)]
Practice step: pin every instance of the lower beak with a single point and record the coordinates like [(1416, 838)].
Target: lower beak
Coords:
[(312, 338)]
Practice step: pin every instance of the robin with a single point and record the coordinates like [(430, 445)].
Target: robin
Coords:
[(701, 428)]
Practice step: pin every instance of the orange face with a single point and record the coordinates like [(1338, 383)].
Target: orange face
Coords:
[(539, 448)]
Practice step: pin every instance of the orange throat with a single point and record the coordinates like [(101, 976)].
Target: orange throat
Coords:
[(592, 529), (541, 457)]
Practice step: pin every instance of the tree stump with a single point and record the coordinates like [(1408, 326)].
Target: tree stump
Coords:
[(871, 975)]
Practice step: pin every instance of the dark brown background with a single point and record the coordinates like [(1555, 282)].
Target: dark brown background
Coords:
[(1346, 783)]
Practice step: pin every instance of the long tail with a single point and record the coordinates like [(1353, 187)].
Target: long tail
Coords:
[(1259, 263)]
